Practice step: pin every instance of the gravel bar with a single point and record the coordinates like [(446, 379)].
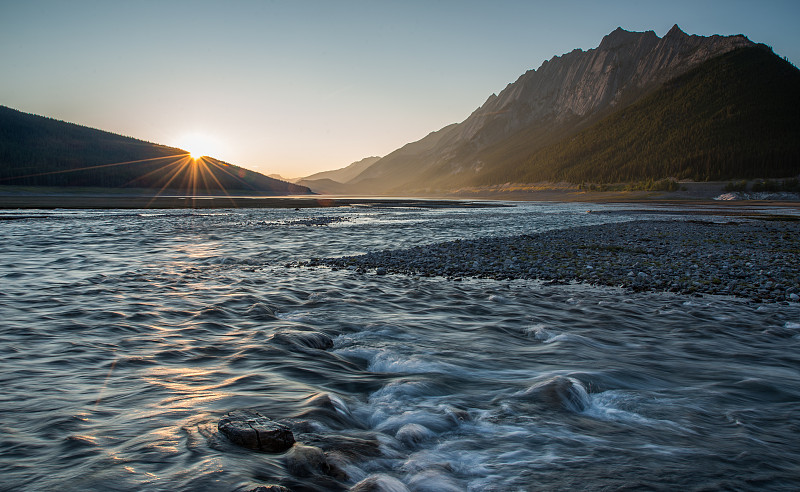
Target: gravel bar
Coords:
[(754, 259)]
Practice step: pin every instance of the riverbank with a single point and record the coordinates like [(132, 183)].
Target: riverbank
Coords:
[(78, 202), (695, 194), (754, 259)]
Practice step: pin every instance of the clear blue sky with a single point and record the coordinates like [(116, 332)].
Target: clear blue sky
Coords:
[(295, 87)]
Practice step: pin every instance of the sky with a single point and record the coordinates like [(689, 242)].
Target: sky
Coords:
[(294, 87)]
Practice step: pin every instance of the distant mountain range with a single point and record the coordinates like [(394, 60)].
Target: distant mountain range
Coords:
[(331, 182), (40, 151), (636, 108)]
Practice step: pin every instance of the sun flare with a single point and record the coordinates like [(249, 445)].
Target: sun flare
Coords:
[(199, 145)]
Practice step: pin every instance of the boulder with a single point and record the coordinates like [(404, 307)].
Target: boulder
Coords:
[(250, 429)]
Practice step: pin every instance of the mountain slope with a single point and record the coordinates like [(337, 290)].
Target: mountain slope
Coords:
[(40, 151), (329, 187), (543, 107), (345, 174), (393, 169), (734, 116)]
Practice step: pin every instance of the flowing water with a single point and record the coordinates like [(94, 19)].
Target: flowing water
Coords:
[(126, 335)]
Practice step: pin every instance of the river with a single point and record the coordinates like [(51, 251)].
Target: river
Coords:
[(127, 334)]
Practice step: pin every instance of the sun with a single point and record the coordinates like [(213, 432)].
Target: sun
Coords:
[(199, 145)]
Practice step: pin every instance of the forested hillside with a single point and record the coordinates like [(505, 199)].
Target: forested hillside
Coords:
[(39, 151), (636, 109), (734, 116)]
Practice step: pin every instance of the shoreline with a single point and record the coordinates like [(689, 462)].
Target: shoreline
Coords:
[(752, 259), (81, 200), (84, 202)]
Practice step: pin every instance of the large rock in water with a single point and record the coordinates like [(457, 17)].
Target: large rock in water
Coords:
[(251, 430)]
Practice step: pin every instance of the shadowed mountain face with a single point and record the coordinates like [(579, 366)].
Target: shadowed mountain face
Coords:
[(503, 140), (39, 151)]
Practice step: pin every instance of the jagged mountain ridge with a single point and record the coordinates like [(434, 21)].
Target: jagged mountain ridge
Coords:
[(564, 95), (735, 116), (40, 151)]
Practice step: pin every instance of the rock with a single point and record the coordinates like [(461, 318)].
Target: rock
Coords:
[(307, 461), (304, 339), (320, 400), (325, 409), (270, 488), (560, 392), (380, 271), (794, 297), (379, 483), (341, 449), (413, 434), (250, 429)]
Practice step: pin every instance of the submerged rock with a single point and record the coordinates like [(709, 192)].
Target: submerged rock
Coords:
[(348, 448), (303, 339), (308, 461), (320, 400), (560, 392), (270, 488), (413, 434), (250, 429), (379, 483), (326, 409)]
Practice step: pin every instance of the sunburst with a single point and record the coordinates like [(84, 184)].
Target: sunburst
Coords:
[(199, 145), (190, 172)]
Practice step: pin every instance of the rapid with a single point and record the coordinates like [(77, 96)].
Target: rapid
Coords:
[(126, 335)]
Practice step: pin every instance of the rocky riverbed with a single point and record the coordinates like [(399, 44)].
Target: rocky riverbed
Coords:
[(757, 259)]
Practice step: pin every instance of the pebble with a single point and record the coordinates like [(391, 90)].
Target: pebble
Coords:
[(682, 256)]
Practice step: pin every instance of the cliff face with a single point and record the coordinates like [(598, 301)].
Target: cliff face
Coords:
[(563, 93)]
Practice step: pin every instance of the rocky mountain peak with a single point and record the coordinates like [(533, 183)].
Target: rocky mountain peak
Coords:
[(620, 37), (582, 82), (566, 91), (675, 32)]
